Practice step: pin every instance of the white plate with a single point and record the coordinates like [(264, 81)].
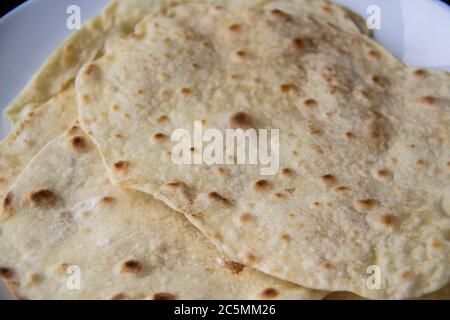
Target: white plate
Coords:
[(415, 30)]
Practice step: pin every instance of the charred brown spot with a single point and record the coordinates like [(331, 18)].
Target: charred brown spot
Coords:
[(164, 296), (310, 103), (234, 27), (6, 273), (285, 237), (432, 101), (269, 293), (304, 44), (406, 275), (328, 178), (42, 197), (130, 266), (240, 53), (327, 8), (7, 202), (328, 266), (78, 143), (250, 257), (366, 202), (342, 189), (174, 184), (287, 172), (107, 200), (279, 195), (234, 267), (119, 296), (246, 217), (374, 53), (33, 278), (222, 171), (61, 268), (279, 13), (162, 119), (384, 173), (121, 165), (420, 162), (376, 79), (91, 68), (186, 91), (218, 198), (420, 72), (315, 131), (261, 185), (350, 135), (298, 43), (115, 107), (240, 120), (288, 87), (388, 219), (159, 137)]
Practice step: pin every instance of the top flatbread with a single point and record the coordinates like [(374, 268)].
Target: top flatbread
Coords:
[(118, 20), (364, 144), (46, 107)]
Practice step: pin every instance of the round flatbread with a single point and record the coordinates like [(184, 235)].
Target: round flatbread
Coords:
[(360, 201)]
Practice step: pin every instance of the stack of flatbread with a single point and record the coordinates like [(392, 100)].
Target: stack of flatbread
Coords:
[(93, 207)]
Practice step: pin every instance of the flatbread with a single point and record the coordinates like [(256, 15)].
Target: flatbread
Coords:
[(32, 132), (58, 72), (364, 144), (117, 20), (46, 107), (64, 216), (443, 294)]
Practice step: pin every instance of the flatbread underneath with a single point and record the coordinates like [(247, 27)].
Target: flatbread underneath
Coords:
[(64, 216)]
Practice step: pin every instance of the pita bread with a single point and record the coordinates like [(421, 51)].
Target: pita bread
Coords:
[(49, 97), (116, 21), (46, 107), (364, 144), (64, 216), (443, 294)]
